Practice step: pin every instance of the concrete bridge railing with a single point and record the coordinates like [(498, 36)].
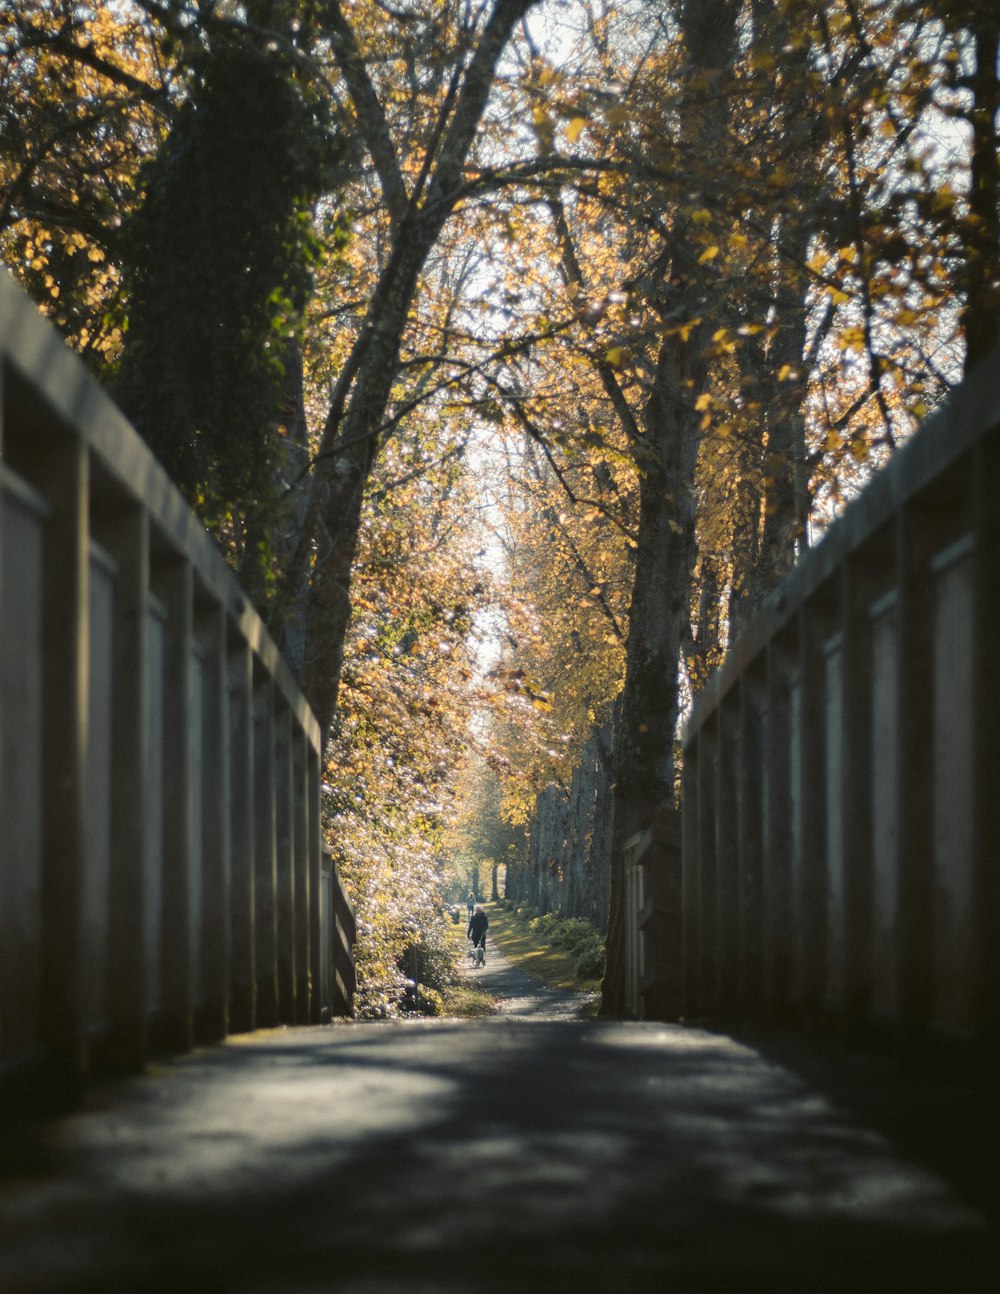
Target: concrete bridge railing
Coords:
[(162, 876), (838, 860), (841, 805)]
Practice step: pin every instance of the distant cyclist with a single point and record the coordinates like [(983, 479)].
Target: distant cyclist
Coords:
[(479, 923)]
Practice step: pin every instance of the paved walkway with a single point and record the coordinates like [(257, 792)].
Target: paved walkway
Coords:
[(531, 1152), (520, 995)]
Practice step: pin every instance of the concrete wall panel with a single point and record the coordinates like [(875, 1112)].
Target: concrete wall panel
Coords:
[(885, 809), (20, 769), (96, 908), (954, 915)]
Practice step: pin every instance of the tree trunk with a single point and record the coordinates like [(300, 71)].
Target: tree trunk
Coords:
[(659, 622), (659, 618), (319, 574)]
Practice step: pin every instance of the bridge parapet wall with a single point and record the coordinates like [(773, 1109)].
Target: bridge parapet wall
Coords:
[(841, 820), (162, 878)]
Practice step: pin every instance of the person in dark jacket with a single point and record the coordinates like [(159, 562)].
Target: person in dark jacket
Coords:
[(479, 923)]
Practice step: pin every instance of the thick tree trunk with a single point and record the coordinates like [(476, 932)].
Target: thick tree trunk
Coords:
[(659, 622), (659, 618)]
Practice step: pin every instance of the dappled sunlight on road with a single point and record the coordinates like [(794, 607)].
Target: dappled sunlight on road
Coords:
[(563, 1151)]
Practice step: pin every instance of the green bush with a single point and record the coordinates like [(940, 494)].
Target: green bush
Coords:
[(590, 961), (546, 925), (577, 936), (433, 960), (574, 934), (428, 1001)]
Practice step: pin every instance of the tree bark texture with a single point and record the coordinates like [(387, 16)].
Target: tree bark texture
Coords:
[(569, 842), (659, 618)]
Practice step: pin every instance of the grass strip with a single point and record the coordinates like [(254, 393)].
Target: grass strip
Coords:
[(532, 952)]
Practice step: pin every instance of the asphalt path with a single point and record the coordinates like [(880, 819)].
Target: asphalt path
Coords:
[(532, 1151)]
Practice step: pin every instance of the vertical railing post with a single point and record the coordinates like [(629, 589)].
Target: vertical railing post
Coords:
[(127, 536), (265, 853), (303, 895), (728, 951), (175, 587), (915, 794), (315, 864), (778, 897), (242, 878), (857, 786), (216, 827), (691, 866), (64, 760), (706, 928), (284, 824), (811, 911), (749, 843)]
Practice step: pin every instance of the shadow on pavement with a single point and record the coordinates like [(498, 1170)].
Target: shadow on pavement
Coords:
[(498, 1155)]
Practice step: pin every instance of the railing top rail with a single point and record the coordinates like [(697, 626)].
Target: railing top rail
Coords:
[(971, 413), (31, 349)]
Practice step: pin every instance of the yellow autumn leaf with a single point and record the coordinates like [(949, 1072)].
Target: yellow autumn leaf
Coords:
[(786, 373), (709, 254), (683, 330), (575, 128), (852, 338), (703, 402), (615, 355)]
